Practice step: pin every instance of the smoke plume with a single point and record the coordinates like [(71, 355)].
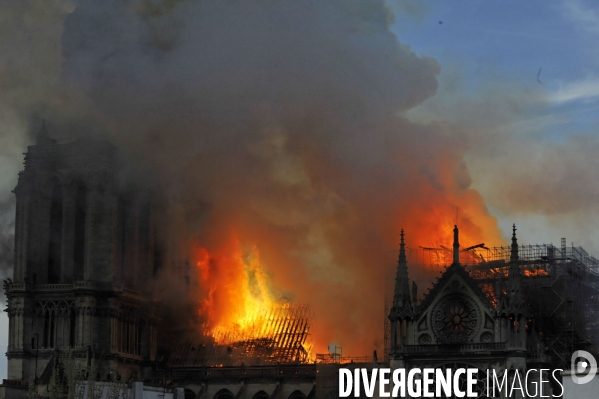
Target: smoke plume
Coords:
[(280, 124)]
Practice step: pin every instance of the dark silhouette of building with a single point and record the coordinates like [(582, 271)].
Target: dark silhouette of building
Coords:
[(84, 253)]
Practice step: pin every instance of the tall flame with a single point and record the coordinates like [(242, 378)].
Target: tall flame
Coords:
[(237, 292)]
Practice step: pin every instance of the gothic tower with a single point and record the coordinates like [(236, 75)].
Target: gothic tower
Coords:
[(401, 312), (84, 251), (513, 310)]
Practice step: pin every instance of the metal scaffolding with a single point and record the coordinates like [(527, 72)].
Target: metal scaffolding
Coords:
[(561, 285)]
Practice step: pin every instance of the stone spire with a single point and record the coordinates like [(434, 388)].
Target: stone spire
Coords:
[(43, 137), (401, 296), (514, 254), (514, 276), (456, 245)]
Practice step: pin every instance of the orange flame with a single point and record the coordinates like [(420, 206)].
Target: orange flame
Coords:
[(535, 273), (237, 292)]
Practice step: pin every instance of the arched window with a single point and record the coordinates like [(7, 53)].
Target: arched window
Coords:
[(224, 394), (72, 328), (297, 395), (261, 395), (49, 327), (55, 236)]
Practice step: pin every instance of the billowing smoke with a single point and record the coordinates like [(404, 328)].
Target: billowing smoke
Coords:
[(278, 123)]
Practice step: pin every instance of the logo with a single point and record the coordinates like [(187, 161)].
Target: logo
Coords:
[(583, 366)]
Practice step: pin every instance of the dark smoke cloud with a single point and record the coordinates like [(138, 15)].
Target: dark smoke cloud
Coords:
[(279, 121)]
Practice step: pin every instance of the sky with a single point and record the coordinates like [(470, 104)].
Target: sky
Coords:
[(517, 80), (543, 52)]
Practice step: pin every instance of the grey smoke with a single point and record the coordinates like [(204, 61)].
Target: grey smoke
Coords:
[(280, 120)]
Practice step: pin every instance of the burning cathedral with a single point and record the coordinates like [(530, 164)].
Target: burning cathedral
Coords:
[(87, 247)]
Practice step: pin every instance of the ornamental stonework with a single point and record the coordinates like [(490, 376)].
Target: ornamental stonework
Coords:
[(455, 319)]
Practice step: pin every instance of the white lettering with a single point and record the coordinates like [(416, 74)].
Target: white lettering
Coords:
[(456, 383), (345, 383), (427, 381), (357, 383), (529, 383), (498, 385), (471, 383), (541, 381), (414, 387), (558, 382), (443, 381), (399, 382), (519, 388), (369, 388), (383, 382)]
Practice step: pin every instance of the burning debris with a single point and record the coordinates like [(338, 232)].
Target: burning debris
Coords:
[(279, 335), (243, 317)]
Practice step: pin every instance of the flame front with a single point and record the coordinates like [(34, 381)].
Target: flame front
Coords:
[(237, 292), (241, 311)]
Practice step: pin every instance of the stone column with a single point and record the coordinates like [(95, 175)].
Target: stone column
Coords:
[(85, 321), (88, 321)]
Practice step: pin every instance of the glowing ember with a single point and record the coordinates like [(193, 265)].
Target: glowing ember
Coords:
[(535, 273)]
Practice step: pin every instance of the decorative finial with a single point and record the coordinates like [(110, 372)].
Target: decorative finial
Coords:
[(514, 254), (402, 249), (456, 245)]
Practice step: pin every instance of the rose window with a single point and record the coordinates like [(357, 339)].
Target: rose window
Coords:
[(455, 319)]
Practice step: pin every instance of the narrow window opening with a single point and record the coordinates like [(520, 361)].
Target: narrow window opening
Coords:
[(72, 326), (46, 328), (55, 239)]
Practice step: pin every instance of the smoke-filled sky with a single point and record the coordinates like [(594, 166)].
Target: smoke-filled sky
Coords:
[(314, 131)]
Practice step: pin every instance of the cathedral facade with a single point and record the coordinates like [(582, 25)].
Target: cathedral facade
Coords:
[(457, 325), (84, 253)]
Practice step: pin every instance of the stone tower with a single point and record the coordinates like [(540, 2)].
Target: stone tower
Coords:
[(401, 312), (513, 312), (85, 250)]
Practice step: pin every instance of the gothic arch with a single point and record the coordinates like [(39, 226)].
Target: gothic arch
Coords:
[(224, 394), (297, 394), (261, 395)]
